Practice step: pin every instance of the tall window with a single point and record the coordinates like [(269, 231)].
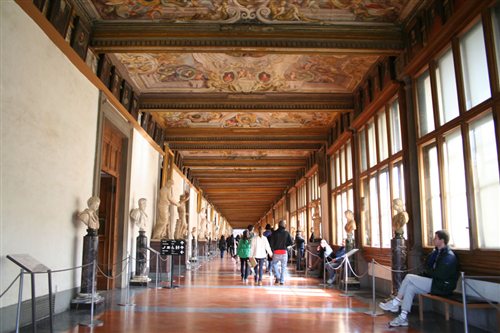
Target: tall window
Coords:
[(342, 193), (383, 181), (486, 181), (447, 88), (496, 34), (425, 113), (474, 66), (459, 177)]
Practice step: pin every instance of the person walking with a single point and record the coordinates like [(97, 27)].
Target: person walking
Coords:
[(222, 246), (280, 240), (243, 252), (259, 250)]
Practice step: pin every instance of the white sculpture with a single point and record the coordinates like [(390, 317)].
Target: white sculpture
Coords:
[(89, 216), (139, 216), (165, 200), (400, 219), (202, 230), (350, 225), (181, 229)]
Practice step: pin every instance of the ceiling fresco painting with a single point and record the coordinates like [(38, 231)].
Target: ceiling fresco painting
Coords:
[(252, 154), (262, 11), (244, 73), (248, 119)]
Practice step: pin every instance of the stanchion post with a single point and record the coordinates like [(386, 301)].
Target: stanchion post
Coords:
[(49, 277), (129, 274), (19, 299), (346, 269), (93, 323), (464, 302), (374, 311), (156, 280)]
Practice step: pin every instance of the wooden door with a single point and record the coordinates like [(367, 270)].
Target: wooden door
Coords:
[(111, 160)]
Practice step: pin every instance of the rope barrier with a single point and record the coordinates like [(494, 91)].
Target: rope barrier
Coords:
[(396, 270), (112, 277), (352, 271), (10, 285), (481, 296)]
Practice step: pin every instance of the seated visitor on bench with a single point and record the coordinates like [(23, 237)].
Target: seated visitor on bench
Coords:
[(333, 262), (439, 278)]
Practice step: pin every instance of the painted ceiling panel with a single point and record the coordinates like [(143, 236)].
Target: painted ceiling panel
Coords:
[(248, 119), (264, 11), (245, 73)]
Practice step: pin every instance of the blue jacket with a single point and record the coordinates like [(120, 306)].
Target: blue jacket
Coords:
[(442, 267)]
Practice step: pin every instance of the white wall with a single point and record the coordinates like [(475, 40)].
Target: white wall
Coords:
[(144, 175), (48, 140)]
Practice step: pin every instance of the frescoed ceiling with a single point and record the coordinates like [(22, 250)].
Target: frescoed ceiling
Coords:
[(248, 92)]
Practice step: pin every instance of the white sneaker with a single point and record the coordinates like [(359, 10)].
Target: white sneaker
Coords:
[(398, 321), (329, 281), (389, 306)]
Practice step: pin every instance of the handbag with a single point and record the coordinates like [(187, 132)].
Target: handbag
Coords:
[(252, 262)]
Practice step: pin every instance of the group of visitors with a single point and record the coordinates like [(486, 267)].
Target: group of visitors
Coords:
[(266, 248)]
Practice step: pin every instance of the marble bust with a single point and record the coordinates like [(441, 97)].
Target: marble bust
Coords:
[(89, 216), (399, 219), (350, 225), (139, 216)]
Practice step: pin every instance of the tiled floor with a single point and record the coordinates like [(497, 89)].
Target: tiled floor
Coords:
[(213, 298)]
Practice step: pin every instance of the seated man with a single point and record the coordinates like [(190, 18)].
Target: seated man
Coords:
[(333, 262), (440, 278)]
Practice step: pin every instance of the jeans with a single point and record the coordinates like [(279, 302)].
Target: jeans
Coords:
[(283, 259), (413, 285), (258, 273), (244, 268), (300, 255)]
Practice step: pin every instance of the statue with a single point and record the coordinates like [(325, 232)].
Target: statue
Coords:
[(350, 225), (316, 221), (400, 219), (181, 228), (139, 216), (89, 216), (165, 200), (202, 233)]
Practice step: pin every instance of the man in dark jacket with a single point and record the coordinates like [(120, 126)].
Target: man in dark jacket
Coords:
[(440, 278), (279, 241), (300, 245)]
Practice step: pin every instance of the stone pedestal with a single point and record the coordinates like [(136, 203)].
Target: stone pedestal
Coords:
[(194, 249), (141, 267), (90, 248), (399, 262)]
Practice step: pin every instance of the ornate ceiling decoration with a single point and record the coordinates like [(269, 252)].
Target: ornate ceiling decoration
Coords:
[(261, 11), (245, 73), (248, 91)]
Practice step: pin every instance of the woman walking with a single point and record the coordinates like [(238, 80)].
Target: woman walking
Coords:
[(244, 253), (260, 250), (222, 246)]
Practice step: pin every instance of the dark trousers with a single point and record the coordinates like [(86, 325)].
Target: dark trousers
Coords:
[(244, 267), (300, 255)]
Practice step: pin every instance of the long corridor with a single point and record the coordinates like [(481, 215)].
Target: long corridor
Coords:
[(212, 298)]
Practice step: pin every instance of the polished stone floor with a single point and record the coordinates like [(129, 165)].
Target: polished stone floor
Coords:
[(212, 298)]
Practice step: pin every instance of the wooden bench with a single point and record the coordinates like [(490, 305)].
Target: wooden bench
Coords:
[(454, 299)]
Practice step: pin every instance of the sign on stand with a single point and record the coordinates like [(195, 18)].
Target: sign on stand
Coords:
[(173, 247)]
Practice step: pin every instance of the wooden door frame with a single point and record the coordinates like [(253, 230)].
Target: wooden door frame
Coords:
[(107, 112)]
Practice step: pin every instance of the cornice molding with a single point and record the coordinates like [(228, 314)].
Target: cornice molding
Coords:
[(159, 36)]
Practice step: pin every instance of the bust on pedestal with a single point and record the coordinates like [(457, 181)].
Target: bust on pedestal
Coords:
[(398, 244), (90, 218), (140, 219)]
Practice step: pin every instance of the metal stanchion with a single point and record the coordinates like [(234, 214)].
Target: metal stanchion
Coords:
[(19, 300), (346, 277), (129, 274), (374, 311), (464, 302), (49, 277), (92, 322)]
